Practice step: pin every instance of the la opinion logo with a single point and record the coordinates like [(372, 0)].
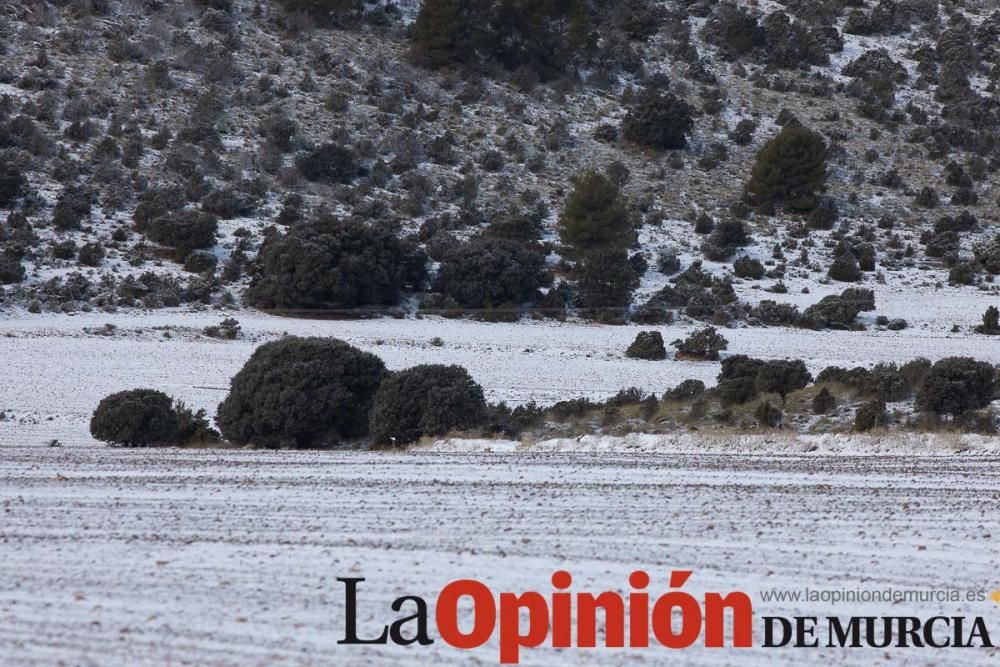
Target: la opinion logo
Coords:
[(550, 619)]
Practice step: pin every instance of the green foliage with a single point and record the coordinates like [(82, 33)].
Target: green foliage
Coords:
[(991, 322), (956, 385), (782, 377), (145, 417), (704, 344), (595, 218), (445, 33), (302, 393), (331, 263), (824, 402), (491, 272), (790, 170), (870, 416), (647, 345), (331, 10), (185, 231), (328, 163), (427, 400), (605, 283), (658, 120), (746, 267), (839, 311), (769, 416), (13, 184), (845, 269), (539, 36), (686, 390)]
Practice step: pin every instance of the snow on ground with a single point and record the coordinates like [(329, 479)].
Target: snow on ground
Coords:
[(154, 557), (56, 372)]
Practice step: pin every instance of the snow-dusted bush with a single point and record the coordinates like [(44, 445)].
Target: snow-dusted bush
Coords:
[(790, 170), (658, 120), (429, 400), (956, 385), (145, 418), (302, 393), (647, 345), (705, 344)]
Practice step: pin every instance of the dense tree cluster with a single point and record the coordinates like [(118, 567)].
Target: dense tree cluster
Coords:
[(487, 273), (541, 36), (335, 264), (789, 171)]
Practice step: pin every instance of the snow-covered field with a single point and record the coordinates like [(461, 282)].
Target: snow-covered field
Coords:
[(118, 557)]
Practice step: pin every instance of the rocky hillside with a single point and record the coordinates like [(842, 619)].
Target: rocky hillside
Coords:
[(498, 159)]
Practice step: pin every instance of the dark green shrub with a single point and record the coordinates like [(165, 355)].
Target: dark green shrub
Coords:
[(748, 268), (736, 391), (185, 231), (491, 272), (790, 170), (13, 184), (839, 311), (703, 345), (140, 418), (200, 261), (534, 38), (426, 401), (331, 263), (595, 217), (686, 390), (72, 208), (91, 254), (327, 10), (227, 204), (845, 269), (647, 345), (824, 402), (658, 120), (782, 377), (769, 416), (302, 393), (605, 283), (991, 322), (725, 239), (328, 163), (870, 416), (11, 269), (956, 385)]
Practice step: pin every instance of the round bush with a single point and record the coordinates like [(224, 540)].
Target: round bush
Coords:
[(790, 169), (328, 163), (647, 345), (957, 385), (658, 120), (136, 418), (429, 400), (302, 393)]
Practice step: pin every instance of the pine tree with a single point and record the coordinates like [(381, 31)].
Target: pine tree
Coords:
[(790, 169), (595, 217)]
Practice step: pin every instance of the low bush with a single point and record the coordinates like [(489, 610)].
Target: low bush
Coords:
[(424, 401), (704, 345), (145, 418), (647, 345)]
